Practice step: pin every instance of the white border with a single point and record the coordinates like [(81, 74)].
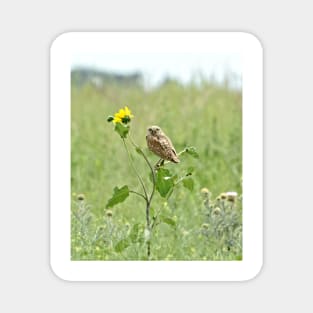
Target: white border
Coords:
[(252, 55)]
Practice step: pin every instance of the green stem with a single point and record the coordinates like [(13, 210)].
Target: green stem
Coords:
[(155, 220), (151, 169), (138, 193), (149, 199), (132, 165), (170, 193)]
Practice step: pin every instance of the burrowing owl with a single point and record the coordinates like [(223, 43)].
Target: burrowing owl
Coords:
[(160, 144)]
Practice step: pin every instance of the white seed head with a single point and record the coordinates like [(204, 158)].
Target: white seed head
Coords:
[(231, 195)]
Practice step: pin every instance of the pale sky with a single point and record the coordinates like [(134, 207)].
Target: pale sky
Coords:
[(156, 66)]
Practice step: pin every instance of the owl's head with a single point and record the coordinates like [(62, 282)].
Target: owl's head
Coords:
[(154, 130)]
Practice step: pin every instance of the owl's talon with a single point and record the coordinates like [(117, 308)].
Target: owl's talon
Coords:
[(159, 164)]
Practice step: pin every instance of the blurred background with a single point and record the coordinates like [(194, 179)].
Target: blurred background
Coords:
[(197, 100), (152, 69)]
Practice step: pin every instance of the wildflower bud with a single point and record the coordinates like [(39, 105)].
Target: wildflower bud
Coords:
[(110, 118), (81, 197), (205, 226), (109, 213), (204, 191), (223, 196), (231, 196), (217, 211)]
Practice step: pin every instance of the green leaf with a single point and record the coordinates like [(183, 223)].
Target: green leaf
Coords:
[(121, 129), (119, 195), (121, 245), (164, 181), (167, 220), (192, 151), (188, 183)]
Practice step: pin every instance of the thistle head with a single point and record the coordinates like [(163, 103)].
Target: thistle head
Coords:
[(81, 197), (231, 196), (109, 213), (216, 211)]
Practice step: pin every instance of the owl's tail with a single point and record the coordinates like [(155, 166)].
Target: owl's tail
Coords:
[(175, 159)]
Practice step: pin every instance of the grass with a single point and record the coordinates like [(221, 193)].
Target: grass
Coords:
[(194, 225)]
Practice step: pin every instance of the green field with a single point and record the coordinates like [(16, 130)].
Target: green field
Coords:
[(190, 225)]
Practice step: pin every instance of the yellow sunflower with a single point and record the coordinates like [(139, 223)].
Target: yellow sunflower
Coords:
[(123, 116)]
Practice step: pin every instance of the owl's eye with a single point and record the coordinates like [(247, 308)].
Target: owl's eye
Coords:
[(157, 129), (149, 129)]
